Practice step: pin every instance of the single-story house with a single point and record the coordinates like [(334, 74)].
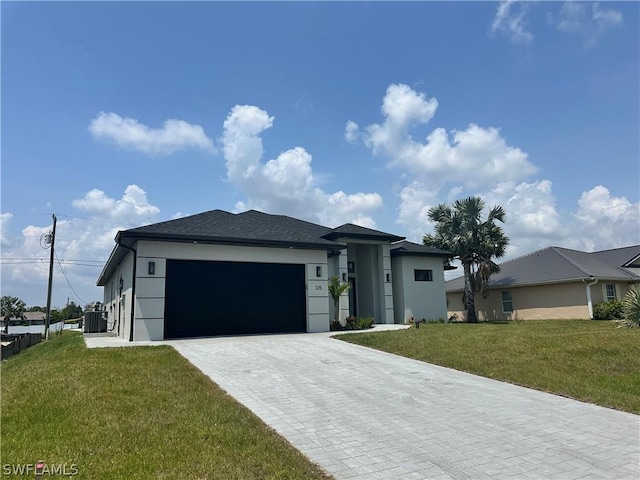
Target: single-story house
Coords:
[(29, 318), (553, 283), (219, 273)]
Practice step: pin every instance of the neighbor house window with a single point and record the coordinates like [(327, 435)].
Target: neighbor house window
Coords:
[(610, 290), (507, 302), (423, 275)]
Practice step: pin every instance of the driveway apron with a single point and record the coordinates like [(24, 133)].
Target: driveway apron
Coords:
[(362, 413)]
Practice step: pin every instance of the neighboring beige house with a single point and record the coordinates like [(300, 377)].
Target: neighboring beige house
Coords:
[(552, 283)]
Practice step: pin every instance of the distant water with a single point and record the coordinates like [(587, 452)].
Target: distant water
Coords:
[(54, 327)]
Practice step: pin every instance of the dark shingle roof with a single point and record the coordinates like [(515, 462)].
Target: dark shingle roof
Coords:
[(410, 248), (349, 230), (556, 264), (620, 256), (252, 227)]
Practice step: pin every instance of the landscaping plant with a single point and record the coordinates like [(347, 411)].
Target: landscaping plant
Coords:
[(610, 310), (336, 289), (631, 307)]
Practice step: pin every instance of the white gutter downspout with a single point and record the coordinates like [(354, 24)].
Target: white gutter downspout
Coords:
[(588, 287)]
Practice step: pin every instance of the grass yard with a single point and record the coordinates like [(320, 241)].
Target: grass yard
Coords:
[(133, 413), (587, 360)]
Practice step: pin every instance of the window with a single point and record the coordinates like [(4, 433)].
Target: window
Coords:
[(507, 302), (423, 275), (610, 291)]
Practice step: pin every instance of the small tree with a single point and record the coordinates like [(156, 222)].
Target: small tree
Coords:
[(461, 230), (71, 311), (11, 307), (336, 289)]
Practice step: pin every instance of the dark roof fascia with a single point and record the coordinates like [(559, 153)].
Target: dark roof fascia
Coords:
[(158, 237), (405, 253), (364, 236), (117, 255), (406, 248), (357, 232), (631, 262)]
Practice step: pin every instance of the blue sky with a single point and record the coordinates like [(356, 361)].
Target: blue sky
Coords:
[(119, 114)]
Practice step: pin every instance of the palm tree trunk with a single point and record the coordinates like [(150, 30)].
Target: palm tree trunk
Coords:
[(468, 293)]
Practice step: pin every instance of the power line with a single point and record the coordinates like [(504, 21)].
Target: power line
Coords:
[(63, 260), (67, 279), (31, 261)]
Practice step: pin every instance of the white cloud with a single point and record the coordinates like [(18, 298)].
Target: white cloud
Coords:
[(82, 245), (339, 207), (415, 201), (133, 204), (606, 221), (473, 159), (478, 161), (476, 156), (5, 218), (512, 24), (605, 18), (590, 23), (532, 221), (402, 108), (286, 184), (351, 132), (599, 222), (126, 132)]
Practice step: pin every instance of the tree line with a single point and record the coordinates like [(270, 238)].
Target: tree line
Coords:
[(14, 307)]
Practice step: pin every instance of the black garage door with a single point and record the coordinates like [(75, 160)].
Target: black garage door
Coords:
[(230, 298)]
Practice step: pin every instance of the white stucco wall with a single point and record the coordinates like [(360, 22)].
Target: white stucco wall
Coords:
[(149, 313), (419, 299), (386, 286), (118, 307)]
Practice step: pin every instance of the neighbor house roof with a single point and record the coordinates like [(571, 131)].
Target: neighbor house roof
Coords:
[(556, 265), (251, 228), (34, 315)]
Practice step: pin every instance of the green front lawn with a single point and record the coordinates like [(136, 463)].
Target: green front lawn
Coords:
[(583, 359), (134, 413)]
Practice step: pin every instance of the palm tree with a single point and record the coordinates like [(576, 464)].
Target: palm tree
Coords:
[(461, 231), (336, 289)]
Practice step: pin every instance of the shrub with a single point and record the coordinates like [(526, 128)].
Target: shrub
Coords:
[(631, 307), (364, 322), (335, 326), (611, 310)]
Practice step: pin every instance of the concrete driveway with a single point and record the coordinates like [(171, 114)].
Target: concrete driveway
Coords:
[(360, 413)]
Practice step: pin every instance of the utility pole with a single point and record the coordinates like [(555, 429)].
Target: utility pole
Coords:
[(53, 241)]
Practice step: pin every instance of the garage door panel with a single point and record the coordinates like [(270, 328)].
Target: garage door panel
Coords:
[(224, 298)]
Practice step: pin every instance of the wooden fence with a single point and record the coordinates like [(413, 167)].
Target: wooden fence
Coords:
[(14, 344)]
